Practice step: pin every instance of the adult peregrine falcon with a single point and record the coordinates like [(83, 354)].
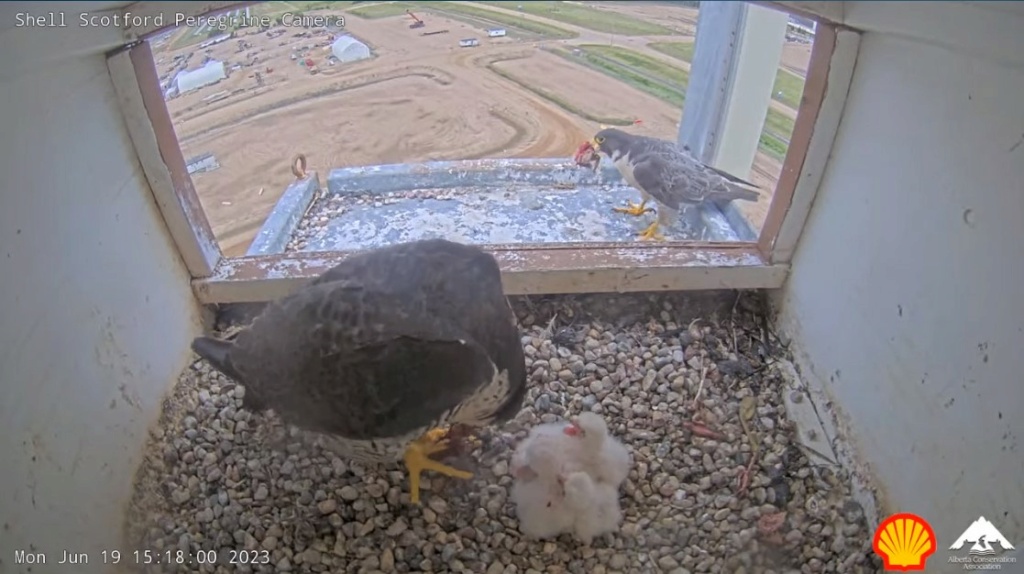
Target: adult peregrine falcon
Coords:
[(668, 175), (383, 348)]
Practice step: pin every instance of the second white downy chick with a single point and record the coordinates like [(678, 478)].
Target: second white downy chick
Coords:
[(544, 442), (594, 507), (538, 492), (602, 456), (583, 443)]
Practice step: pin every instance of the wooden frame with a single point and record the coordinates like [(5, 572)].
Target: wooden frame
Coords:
[(149, 125), (531, 269), (833, 58), (527, 268)]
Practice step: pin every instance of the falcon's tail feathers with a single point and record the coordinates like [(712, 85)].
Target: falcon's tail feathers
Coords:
[(738, 188), (736, 193), (215, 351)]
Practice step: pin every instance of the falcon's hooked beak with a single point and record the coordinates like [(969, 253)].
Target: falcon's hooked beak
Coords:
[(594, 144)]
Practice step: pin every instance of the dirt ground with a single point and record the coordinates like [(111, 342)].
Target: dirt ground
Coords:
[(419, 98), (796, 57)]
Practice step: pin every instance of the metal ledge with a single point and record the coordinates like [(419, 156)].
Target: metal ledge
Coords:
[(285, 217), (513, 218)]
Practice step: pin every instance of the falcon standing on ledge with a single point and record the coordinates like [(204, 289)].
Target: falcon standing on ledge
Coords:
[(668, 175), (382, 349)]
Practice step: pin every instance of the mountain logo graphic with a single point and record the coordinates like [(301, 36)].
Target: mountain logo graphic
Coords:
[(981, 534)]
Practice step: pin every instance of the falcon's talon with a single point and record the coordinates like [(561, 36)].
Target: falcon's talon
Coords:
[(636, 209), (416, 461), (651, 233), (435, 435)]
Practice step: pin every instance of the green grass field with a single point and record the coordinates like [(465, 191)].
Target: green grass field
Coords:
[(589, 18), (500, 19), (678, 50), (374, 11), (274, 9), (572, 109), (642, 62), (788, 88), (779, 124), (490, 17), (668, 83), (627, 74), (304, 6)]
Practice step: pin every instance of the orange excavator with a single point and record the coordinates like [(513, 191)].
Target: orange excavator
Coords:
[(418, 23)]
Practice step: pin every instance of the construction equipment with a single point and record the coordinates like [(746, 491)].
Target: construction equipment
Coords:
[(418, 23)]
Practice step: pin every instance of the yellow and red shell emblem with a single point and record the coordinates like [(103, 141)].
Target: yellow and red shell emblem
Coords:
[(904, 541)]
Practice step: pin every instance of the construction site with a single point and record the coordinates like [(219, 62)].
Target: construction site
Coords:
[(433, 81)]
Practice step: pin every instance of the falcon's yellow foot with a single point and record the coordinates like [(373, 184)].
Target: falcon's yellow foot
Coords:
[(651, 233), (637, 209), (416, 461), (435, 436)]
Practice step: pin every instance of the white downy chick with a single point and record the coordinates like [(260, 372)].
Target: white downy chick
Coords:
[(594, 507), (538, 492), (601, 455), (549, 439)]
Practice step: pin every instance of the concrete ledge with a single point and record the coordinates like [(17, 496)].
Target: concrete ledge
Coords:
[(448, 174), (725, 223), (285, 217), (737, 221)]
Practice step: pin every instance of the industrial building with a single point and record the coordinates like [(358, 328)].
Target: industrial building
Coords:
[(349, 49), (211, 73), (201, 163)]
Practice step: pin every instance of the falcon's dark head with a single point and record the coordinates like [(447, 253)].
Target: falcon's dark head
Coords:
[(612, 142)]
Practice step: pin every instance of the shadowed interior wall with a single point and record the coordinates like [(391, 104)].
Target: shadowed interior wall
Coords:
[(905, 292), (96, 311)]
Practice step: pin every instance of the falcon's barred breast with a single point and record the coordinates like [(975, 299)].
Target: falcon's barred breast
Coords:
[(382, 348), (667, 174)]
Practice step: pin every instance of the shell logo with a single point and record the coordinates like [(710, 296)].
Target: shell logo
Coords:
[(904, 541)]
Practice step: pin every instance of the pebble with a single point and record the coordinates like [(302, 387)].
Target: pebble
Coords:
[(327, 506), (218, 477)]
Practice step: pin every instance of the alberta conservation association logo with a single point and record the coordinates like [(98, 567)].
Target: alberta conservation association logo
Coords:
[(982, 555), (904, 541)]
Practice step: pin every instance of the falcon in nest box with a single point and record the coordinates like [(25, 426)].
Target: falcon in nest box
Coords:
[(668, 175), (382, 351)]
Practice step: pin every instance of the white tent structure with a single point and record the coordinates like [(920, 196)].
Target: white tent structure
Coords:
[(348, 49), (210, 73)]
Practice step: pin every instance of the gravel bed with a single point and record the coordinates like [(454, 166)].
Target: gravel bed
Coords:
[(218, 478)]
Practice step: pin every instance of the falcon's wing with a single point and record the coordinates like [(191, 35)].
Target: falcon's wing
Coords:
[(675, 177), (704, 181), (401, 385), (667, 180), (456, 281), (358, 363)]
